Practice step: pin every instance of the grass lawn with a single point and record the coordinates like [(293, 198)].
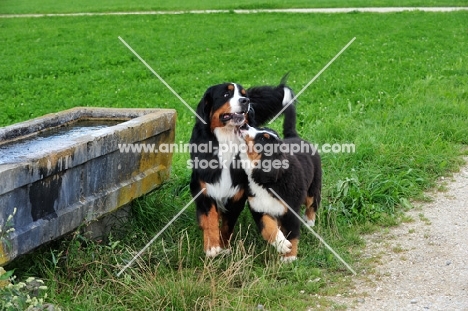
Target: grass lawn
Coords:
[(399, 93), (52, 6)]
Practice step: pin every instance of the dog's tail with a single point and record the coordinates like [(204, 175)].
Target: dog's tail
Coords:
[(289, 122), (284, 79), (288, 95)]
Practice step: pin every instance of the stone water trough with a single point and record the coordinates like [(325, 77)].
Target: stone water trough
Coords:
[(66, 169)]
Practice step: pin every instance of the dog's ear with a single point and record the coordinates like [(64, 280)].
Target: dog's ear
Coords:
[(205, 105)]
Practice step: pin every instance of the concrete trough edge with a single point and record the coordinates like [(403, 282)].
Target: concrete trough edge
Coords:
[(84, 148)]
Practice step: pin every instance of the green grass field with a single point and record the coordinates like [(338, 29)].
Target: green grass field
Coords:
[(399, 93), (51, 6)]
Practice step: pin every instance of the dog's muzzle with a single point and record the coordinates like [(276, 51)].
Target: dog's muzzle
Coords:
[(237, 118), (242, 130)]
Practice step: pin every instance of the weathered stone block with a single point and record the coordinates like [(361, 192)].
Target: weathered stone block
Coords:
[(77, 178)]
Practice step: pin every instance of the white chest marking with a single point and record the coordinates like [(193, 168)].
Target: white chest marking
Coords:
[(228, 150), (222, 190), (263, 202)]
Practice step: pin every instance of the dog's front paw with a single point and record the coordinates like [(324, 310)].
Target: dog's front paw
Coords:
[(309, 222), (213, 251), (288, 259), (282, 245)]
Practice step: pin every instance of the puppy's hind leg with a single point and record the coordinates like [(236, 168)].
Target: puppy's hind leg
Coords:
[(309, 215), (290, 225), (312, 201)]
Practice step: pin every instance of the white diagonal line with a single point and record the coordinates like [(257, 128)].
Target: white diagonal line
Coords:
[(313, 79), (159, 233), (161, 79), (314, 233)]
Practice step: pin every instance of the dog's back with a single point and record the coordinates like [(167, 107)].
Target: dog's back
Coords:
[(309, 160)]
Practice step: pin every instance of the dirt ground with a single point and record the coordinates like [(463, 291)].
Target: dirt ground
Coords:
[(421, 264)]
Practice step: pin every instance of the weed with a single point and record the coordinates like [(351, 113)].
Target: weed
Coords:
[(14, 295), (424, 219), (27, 295), (398, 249), (406, 218), (442, 187), (5, 230)]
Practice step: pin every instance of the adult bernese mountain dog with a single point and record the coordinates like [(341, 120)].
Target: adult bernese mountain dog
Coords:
[(214, 154), (292, 169)]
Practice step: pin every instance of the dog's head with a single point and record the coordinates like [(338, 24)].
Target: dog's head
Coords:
[(262, 142), (263, 151), (224, 106)]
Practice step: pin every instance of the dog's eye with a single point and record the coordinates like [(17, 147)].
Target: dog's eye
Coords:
[(227, 94)]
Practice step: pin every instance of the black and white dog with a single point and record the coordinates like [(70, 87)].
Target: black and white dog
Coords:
[(292, 169), (224, 108)]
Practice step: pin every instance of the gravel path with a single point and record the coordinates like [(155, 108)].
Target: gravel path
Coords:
[(299, 11), (423, 264)]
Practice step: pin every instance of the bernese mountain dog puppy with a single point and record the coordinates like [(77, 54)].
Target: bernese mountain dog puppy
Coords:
[(215, 155), (292, 169)]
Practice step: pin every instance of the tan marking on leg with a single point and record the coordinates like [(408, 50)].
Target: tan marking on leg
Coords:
[(225, 232), (293, 252), (310, 213), (270, 228), (210, 225)]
